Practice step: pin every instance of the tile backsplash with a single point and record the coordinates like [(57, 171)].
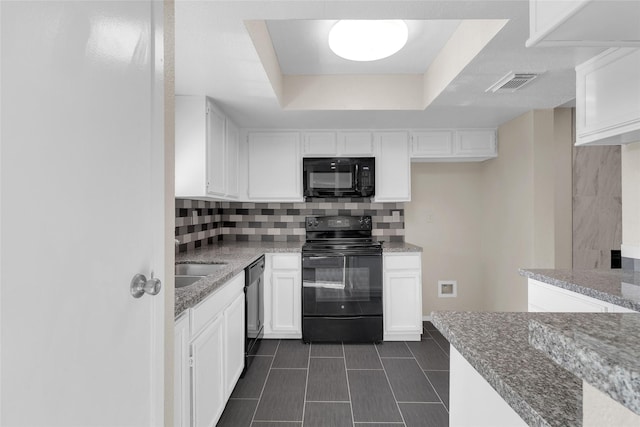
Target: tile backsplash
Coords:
[(199, 223)]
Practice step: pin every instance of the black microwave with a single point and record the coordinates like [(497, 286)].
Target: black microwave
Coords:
[(339, 176)]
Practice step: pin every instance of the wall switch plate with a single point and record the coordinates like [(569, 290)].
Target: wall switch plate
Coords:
[(447, 288)]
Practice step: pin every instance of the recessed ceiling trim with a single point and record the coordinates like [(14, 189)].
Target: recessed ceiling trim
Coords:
[(371, 91)]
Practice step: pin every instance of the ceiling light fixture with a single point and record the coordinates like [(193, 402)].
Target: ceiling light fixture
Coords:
[(368, 40)]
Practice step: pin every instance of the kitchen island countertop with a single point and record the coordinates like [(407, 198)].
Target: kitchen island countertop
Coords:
[(497, 346), (619, 287), (601, 349)]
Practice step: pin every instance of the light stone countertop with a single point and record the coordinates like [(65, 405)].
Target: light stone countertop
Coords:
[(237, 255), (620, 287), (400, 247), (603, 349), (497, 346)]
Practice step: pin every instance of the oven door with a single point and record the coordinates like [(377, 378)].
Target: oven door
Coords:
[(336, 285), (329, 177)]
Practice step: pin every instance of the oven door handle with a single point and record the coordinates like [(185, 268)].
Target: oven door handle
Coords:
[(332, 255)]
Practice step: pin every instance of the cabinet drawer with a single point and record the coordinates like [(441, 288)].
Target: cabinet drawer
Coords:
[(214, 304), (285, 262), (402, 262)]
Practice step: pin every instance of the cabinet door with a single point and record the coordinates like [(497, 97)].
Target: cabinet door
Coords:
[(286, 303), (181, 382), (475, 143), (432, 144), (234, 343), (232, 147), (216, 164), (402, 304), (190, 146), (355, 144), (322, 144), (393, 167), (207, 374), (607, 98), (274, 166)]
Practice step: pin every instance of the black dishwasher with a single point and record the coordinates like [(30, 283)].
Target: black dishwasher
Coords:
[(254, 309)]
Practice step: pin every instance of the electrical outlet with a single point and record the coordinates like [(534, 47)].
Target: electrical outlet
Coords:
[(447, 288), (428, 216)]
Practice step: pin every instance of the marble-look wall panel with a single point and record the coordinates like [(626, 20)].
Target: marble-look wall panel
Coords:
[(199, 223), (597, 205)]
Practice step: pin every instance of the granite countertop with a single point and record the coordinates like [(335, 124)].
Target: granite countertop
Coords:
[(400, 247), (602, 349), (237, 255), (620, 287), (497, 346)]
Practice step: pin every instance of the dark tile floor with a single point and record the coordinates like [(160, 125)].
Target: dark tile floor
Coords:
[(292, 384)]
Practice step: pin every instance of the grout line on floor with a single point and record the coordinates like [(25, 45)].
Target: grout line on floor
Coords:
[(265, 383), (393, 393), (346, 373), (306, 383)]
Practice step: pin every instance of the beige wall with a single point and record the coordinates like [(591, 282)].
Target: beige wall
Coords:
[(444, 218), (507, 220), (492, 218), (631, 197), (527, 205)]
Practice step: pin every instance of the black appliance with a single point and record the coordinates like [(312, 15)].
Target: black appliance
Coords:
[(338, 177), (254, 309), (341, 281)]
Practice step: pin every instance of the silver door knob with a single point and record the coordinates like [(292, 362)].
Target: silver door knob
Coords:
[(140, 285)]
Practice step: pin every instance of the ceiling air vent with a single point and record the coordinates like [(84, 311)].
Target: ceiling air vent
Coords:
[(512, 82)]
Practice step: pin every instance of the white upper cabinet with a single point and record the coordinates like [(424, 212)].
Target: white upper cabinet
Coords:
[(274, 166), (320, 144), (432, 144), (233, 160), (206, 150), (216, 151), (584, 23), (393, 167), (337, 144), (355, 143), (608, 98), (448, 145)]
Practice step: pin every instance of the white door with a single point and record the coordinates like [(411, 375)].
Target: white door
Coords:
[(81, 213)]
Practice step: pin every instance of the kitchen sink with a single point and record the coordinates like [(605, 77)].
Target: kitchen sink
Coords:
[(184, 281), (190, 272), (197, 269)]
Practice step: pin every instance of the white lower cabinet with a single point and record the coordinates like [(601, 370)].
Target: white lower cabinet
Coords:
[(283, 296), (234, 342), (181, 382), (544, 297), (207, 374), (473, 401), (402, 296), (209, 355)]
